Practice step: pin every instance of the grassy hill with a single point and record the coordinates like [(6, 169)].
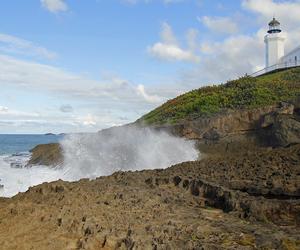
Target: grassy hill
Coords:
[(244, 93)]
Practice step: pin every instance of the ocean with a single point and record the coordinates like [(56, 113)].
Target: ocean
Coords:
[(14, 155)]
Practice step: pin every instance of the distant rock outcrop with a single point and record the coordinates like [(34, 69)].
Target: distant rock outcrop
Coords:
[(50, 134)]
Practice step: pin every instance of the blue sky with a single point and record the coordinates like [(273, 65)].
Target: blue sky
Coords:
[(75, 66)]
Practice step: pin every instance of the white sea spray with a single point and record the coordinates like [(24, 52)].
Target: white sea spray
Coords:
[(100, 154), (123, 148)]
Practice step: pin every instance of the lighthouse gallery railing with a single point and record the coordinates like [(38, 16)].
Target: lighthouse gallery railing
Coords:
[(276, 67)]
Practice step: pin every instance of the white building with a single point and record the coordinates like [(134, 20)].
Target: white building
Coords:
[(292, 58), (275, 56)]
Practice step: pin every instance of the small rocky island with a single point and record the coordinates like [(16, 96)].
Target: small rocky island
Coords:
[(243, 194)]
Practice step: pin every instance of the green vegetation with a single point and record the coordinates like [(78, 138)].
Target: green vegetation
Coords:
[(244, 93)]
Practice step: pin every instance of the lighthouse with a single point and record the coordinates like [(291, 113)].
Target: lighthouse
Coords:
[(274, 41)]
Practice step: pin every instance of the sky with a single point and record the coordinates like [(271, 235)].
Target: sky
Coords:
[(84, 65)]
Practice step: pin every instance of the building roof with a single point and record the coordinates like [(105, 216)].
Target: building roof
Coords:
[(274, 22)]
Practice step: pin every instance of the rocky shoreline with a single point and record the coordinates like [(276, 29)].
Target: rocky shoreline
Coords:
[(233, 203), (244, 194)]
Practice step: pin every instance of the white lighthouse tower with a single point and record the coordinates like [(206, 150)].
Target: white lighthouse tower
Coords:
[(274, 41)]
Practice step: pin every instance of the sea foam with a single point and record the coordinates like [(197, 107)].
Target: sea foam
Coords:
[(17, 180)]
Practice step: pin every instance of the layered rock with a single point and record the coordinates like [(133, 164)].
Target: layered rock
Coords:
[(242, 130), (231, 122)]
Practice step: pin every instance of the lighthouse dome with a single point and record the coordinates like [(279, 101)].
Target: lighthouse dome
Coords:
[(274, 22), (274, 26)]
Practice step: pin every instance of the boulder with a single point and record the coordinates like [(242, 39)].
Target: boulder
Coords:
[(282, 128), (285, 131)]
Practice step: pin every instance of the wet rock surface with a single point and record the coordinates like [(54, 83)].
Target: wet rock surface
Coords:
[(246, 201)]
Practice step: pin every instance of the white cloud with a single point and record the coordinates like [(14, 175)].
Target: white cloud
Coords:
[(222, 25), (6, 113), (287, 11), (228, 59), (88, 120), (55, 6), (3, 109), (169, 48), (26, 74), (171, 53), (150, 98), (15, 45)]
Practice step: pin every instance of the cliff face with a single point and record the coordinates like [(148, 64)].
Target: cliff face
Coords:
[(221, 125), (234, 130), (231, 122)]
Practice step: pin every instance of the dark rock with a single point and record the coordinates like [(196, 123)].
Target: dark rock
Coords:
[(176, 180), (59, 221), (148, 181), (185, 184), (213, 134)]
